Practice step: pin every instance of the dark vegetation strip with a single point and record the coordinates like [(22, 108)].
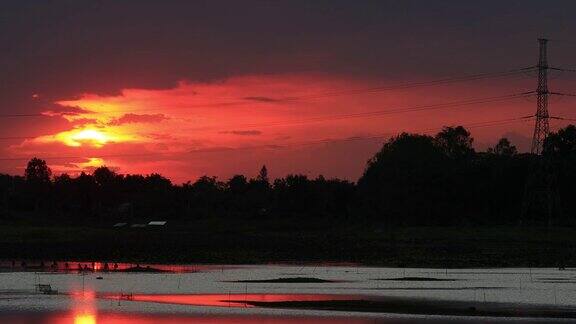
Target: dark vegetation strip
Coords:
[(287, 280), (424, 307), (424, 201), (210, 241)]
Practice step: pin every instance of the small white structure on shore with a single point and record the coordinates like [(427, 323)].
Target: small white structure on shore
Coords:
[(157, 223)]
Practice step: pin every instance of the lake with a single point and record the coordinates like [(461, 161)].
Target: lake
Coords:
[(129, 293)]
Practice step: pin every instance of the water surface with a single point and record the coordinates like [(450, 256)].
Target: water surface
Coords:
[(260, 294)]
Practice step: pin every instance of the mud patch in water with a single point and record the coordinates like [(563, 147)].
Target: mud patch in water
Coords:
[(415, 279), (287, 280)]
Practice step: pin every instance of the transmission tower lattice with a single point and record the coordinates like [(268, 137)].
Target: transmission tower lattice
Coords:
[(542, 128), (541, 198)]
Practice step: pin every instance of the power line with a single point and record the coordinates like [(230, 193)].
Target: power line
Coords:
[(561, 69), (563, 94), (368, 114), (378, 113), (18, 137), (157, 108), (409, 85), (22, 115), (562, 118)]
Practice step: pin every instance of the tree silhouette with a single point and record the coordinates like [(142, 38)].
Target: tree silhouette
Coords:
[(503, 148), (238, 184), (413, 179), (560, 149), (403, 179), (561, 143), (37, 171), (263, 175), (65, 193), (37, 175), (103, 176), (456, 142), (86, 189), (158, 182)]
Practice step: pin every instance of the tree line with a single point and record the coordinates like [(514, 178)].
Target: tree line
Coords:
[(414, 179)]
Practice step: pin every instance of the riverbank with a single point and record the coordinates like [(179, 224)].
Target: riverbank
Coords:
[(427, 307), (258, 242)]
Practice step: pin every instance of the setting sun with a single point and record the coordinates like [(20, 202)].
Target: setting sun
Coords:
[(88, 136), (97, 138), (85, 319), (285, 162)]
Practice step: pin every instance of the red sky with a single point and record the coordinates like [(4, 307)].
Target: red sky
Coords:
[(186, 93), (293, 123)]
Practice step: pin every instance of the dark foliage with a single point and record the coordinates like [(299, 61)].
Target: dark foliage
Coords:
[(413, 180)]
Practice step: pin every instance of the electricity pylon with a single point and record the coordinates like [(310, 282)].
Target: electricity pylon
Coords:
[(542, 128), (541, 197)]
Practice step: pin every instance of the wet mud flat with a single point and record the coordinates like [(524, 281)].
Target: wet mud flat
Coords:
[(426, 307), (360, 303)]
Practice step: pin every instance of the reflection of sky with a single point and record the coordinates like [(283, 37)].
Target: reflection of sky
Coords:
[(181, 293), (85, 319), (175, 319), (229, 300), (83, 306), (75, 266)]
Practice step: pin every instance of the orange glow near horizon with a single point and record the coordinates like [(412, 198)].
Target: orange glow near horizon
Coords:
[(91, 163), (155, 130)]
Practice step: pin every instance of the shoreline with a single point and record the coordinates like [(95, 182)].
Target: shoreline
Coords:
[(151, 266), (415, 306), (210, 244)]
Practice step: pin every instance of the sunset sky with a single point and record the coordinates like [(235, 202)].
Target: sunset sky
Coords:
[(192, 88)]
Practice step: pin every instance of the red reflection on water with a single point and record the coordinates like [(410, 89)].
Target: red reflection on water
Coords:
[(172, 319), (227, 300), (97, 266), (83, 307), (84, 319)]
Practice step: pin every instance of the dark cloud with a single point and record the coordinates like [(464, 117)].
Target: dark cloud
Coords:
[(161, 136), (65, 48), (62, 49), (264, 99), (214, 149), (83, 121), (243, 132), (136, 118), (283, 137), (58, 110)]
